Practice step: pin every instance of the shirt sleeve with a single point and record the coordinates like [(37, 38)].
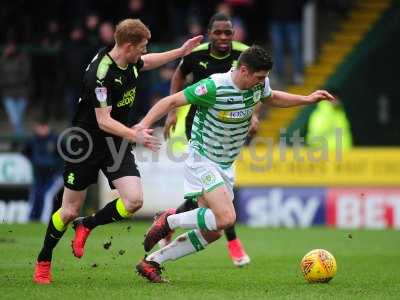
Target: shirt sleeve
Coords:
[(139, 64), (186, 65), (100, 92), (202, 93), (267, 92)]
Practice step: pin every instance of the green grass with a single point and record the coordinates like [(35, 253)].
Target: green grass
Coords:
[(368, 266)]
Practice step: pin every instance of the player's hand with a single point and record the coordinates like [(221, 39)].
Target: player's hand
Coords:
[(253, 126), (318, 96), (170, 123), (190, 44), (144, 136)]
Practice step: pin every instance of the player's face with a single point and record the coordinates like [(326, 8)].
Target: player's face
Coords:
[(221, 35), (134, 51), (250, 79)]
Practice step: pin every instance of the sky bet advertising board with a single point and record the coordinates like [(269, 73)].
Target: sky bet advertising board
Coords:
[(304, 207)]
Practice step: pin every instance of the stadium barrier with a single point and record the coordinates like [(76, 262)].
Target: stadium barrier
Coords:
[(379, 167), (15, 180), (372, 208), (358, 188)]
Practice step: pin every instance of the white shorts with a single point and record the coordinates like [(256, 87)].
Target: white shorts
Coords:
[(203, 175)]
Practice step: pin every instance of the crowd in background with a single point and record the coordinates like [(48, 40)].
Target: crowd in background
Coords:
[(47, 46)]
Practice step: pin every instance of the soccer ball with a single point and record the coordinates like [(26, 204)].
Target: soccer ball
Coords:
[(318, 265)]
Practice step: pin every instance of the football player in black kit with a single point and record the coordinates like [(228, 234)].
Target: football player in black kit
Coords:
[(100, 139), (219, 55)]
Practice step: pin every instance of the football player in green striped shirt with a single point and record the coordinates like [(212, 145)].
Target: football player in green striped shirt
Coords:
[(218, 55), (225, 102)]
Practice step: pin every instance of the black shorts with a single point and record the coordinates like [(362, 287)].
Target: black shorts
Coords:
[(78, 175), (189, 121)]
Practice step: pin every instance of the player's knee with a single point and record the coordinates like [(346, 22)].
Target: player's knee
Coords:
[(69, 215), (133, 203), (226, 220), (230, 219)]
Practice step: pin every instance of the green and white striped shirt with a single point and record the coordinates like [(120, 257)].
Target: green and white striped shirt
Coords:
[(223, 116)]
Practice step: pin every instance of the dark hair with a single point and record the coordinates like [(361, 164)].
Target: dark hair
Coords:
[(42, 119), (256, 59), (217, 17)]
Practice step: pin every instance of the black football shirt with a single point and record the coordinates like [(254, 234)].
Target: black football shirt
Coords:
[(106, 84)]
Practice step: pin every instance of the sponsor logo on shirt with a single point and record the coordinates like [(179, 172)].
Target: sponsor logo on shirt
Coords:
[(257, 96), (235, 115), (119, 80), (201, 90), (203, 64), (128, 98)]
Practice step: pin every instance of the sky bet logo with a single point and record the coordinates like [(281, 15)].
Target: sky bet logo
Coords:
[(287, 207)]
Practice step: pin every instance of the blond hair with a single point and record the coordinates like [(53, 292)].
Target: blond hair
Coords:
[(131, 31)]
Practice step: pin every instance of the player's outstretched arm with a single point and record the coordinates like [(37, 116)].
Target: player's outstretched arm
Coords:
[(108, 124), (161, 108), (154, 60), (283, 99)]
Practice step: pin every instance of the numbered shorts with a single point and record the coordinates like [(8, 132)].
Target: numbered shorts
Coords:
[(203, 175)]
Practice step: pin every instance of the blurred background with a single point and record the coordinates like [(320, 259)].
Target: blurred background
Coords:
[(349, 47)]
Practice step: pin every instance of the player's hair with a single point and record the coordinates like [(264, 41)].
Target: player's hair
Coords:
[(256, 59), (131, 31), (217, 17)]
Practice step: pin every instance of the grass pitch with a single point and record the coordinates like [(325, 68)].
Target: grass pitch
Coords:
[(368, 266)]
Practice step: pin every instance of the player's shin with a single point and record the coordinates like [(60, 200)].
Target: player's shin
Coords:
[(112, 212), (185, 244), (54, 232), (230, 233), (200, 218)]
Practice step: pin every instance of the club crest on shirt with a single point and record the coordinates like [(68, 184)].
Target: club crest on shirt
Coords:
[(201, 90), (208, 178), (257, 96), (101, 93)]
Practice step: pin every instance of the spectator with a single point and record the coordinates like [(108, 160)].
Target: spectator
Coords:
[(76, 55), (52, 38), (106, 32), (139, 9), (326, 122), (41, 149), (240, 32), (49, 57), (92, 31), (286, 18), (194, 27), (15, 74)]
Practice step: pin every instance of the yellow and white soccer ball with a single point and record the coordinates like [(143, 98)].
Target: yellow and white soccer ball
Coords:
[(318, 265)]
